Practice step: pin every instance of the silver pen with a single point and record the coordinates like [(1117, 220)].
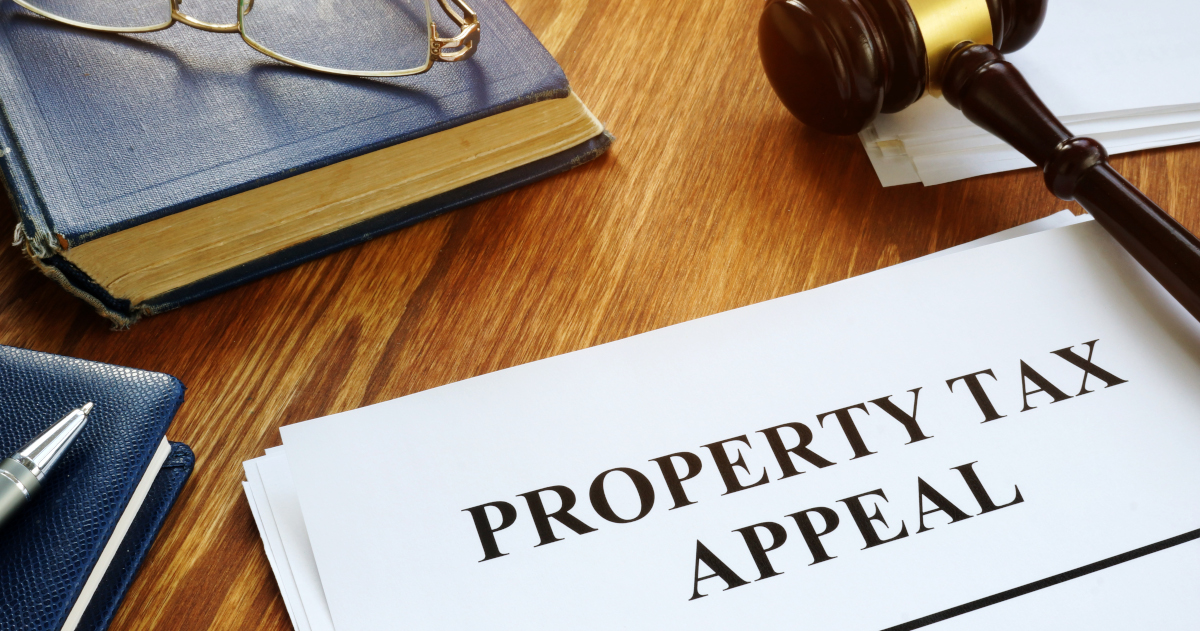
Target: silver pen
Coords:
[(21, 475)]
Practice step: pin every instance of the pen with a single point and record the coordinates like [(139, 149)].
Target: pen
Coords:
[(21, 475)]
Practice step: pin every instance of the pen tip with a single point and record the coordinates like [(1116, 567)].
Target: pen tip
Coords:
[(87, 408)]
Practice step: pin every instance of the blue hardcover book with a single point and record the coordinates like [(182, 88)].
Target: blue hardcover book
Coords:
[(151, 170), (69, 556)]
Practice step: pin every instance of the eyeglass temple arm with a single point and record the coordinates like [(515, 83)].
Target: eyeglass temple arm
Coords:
[(467, 40)]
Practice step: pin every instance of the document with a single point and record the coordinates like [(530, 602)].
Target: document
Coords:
[(1124, 95), (272, 496), (967, 442)]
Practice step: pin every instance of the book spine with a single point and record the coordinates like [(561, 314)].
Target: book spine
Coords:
[(120, 312), (34, 236), (33, 231)]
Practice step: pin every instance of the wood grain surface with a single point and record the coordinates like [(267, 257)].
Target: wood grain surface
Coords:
[(712, 198)]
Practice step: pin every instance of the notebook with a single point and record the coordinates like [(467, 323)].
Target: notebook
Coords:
[(69, 556), (153, 170)]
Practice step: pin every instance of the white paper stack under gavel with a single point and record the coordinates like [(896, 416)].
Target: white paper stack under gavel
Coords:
[(1142, 106)]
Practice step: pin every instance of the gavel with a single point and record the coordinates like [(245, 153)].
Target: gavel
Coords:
[(836, 64)]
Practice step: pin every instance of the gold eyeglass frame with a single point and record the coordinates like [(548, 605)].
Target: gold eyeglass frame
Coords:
[(466, 42)]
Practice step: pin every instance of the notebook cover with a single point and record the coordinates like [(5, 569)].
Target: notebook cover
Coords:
[(102, 132), (50, 548), (149, 520)]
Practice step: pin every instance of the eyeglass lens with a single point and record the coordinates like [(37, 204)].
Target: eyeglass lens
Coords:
[(352, 35)]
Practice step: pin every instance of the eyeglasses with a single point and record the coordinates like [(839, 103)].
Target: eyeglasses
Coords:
[(363, 38)]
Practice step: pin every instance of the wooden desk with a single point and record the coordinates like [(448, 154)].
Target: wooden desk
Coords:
[(712, 198)]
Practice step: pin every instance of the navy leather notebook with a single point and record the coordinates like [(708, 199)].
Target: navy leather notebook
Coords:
[(101, 132), (65, 535)]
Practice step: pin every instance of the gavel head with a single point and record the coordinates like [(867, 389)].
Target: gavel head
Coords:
[(836, 64)]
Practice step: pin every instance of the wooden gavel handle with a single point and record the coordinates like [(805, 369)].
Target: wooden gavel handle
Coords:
[(993, 94)]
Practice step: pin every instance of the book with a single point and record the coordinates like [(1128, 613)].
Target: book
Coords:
[(995, 438), (157, 169), (69, 556)]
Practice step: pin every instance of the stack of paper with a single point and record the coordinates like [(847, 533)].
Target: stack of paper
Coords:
[(1113, 71), (998, 438)]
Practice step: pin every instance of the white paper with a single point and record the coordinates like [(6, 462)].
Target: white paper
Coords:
[(283, 531), (1126, 94), (1153, 592), (1134, 63), (276, 557), (1057, 220), (293, 537), (300, 580), (947, 167), (1101, 474)]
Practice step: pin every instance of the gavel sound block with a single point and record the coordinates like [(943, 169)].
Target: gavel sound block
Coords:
[(836, 64)]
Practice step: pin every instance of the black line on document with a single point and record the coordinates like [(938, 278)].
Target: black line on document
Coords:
[(1046, 582)]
